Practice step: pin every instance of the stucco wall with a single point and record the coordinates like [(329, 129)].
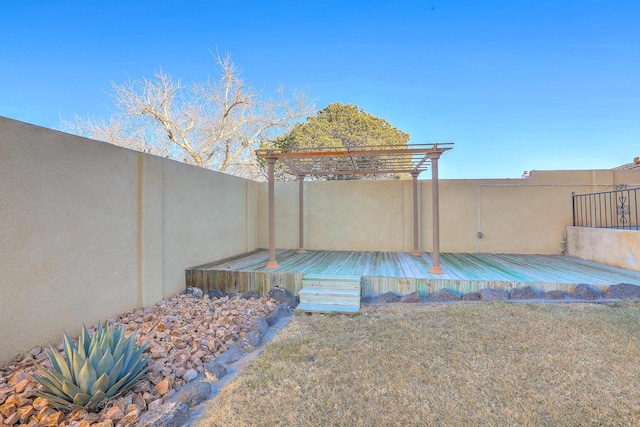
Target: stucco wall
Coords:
[(525, 216), (89, 230), (620, 248)]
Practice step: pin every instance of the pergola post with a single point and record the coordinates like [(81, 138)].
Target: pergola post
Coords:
[(435, 213), (301, 249), (271, 161), (416, 248)]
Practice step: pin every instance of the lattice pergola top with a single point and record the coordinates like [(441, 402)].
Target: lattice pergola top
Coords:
[(391, 159)]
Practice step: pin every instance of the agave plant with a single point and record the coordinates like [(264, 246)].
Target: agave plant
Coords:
[(100, 367)]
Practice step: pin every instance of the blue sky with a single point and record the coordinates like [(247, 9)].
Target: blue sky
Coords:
[(517, 85)]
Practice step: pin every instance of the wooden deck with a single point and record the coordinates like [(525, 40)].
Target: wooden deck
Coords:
[(403, 273)]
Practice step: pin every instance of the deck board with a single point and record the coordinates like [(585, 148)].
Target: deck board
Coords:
[(403, 273)]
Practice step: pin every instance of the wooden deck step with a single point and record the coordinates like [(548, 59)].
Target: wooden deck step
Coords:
[(326, 281), (323, 308), (330, 293), (329, 296)]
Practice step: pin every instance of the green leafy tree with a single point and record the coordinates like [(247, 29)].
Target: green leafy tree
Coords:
[(342, 126)]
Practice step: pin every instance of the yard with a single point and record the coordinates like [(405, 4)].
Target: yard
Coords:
[(458, 364)]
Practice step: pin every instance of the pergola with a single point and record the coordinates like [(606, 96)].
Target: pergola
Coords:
[(410, 159)]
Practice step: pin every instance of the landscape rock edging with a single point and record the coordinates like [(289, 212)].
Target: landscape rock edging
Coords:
[(581, 293), (186, 405)]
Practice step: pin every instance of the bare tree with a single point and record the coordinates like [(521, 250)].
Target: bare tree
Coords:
[(215, 125)]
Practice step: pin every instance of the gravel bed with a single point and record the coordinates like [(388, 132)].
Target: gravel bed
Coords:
[(183, 335)]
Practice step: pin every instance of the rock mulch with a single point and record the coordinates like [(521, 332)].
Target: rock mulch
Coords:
[(581, 292), (186, 336)]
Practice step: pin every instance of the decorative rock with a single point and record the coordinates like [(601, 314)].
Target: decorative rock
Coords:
[(170, 394), (280, 294), (272, 319), (232, 355), (12, 419), (173, 414), (586, 292), (194, 393), (283, 308), (162, 387), (155, 376), (366, 300), (131, 417), (283, 295), (154, 405), (471, 296), (105, 423), (214, 371), (250, 294), (3, 395), (25, 413), (190, 375), (92, 418), (35, 351), (489, 294), (623, 291), (255, 336), (197, 355), (40, 403), (194, 292), (251, 340), (524, 292), (388, 297), (114, 413), (260, 325), (139, 400), (12, 400), (444, 295), (8, 409), (51, 420), (555, 295), (413, 297), (44, 413), (21, 386), (215, 293)]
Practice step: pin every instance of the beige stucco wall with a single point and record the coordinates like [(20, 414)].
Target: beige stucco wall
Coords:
[(207, 216), (620, 248), (338, 215), (525, 216), (89, 230)]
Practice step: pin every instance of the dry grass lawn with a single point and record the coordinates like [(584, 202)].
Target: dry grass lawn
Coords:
[(493, 364)]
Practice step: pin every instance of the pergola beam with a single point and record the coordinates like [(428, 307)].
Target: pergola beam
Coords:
[(360, 151), (359, 172)]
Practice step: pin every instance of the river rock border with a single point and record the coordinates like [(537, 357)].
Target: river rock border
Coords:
[(581, 293)]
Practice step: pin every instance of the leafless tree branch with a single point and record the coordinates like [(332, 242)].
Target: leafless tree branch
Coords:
[(216, 124)]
